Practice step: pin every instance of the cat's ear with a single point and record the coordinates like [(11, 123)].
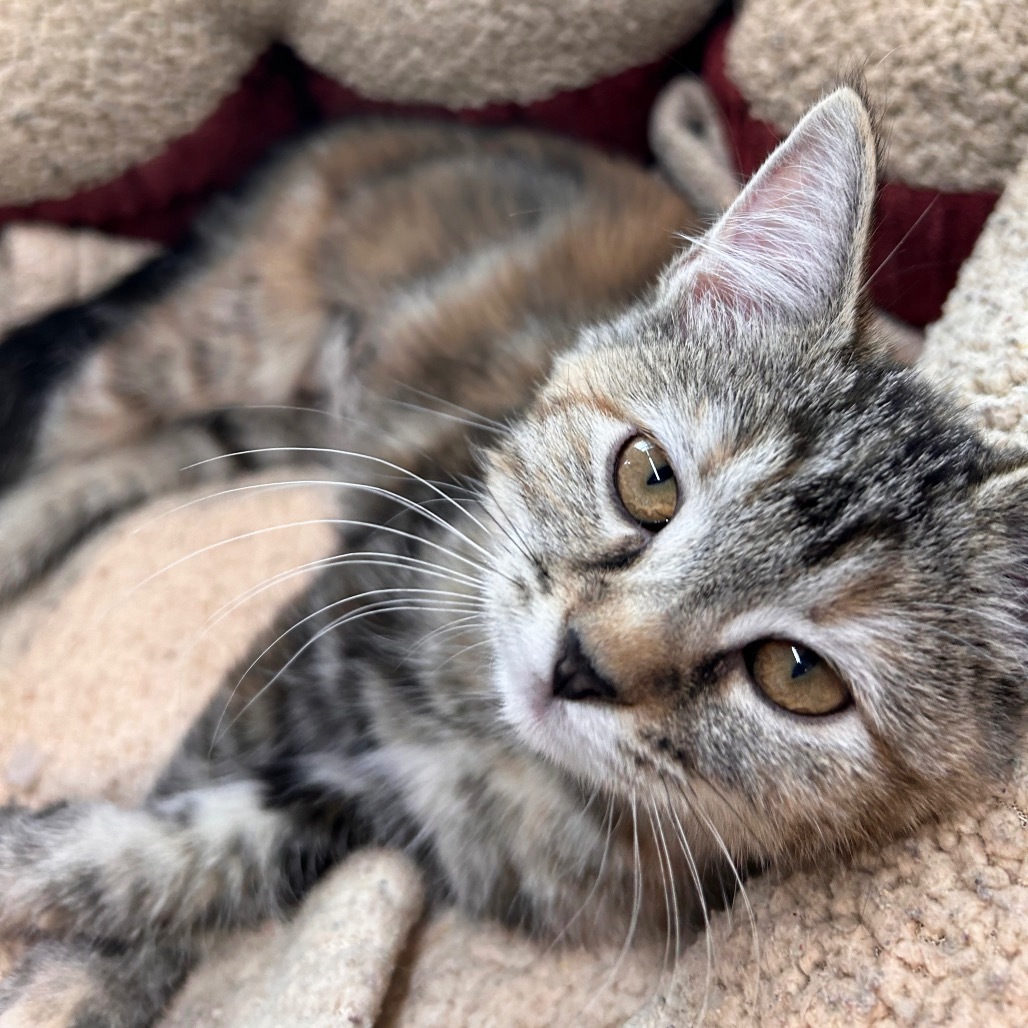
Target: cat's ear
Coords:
[(791, 247)]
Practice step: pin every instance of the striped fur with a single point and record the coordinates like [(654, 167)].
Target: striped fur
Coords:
[(543, 701)]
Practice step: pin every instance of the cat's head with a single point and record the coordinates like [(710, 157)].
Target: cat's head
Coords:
[(752, 566)]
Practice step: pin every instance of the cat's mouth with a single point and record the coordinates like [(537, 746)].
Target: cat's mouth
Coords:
[(580, 737), (567, 714)]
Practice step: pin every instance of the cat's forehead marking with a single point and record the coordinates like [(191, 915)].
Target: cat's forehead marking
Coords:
[(571, 401)]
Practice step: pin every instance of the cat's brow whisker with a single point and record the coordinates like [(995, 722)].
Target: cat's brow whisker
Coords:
[(477, 415), (481, 426), (906, 235), (888, 53), (295, 408)]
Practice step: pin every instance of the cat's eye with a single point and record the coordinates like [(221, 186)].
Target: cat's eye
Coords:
[(796, 678), (645, 483)]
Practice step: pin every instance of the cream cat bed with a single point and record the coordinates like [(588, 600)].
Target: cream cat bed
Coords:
[(93, 87), (104, 666)]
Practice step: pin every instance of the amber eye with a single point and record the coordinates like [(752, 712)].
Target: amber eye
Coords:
[(645, 483), (796, 678)]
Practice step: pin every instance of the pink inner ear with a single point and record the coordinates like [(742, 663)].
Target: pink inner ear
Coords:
[(783, 248), (749, 231), (715, 289)]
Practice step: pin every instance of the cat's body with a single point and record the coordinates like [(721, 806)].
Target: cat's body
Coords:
[(536, 668)]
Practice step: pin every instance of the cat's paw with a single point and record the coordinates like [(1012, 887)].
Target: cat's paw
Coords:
[(30, 880)]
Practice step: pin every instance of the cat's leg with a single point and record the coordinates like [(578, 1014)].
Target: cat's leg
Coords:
[(216, 843), (124, 900), (68, 985), (217, 855)]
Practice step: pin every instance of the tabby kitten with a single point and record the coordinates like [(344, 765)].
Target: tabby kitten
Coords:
[(676, 571)]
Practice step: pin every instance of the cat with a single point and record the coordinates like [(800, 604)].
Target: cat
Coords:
[(654, 566)]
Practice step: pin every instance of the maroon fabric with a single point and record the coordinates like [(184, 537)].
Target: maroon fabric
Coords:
[(611, 113), (921, 236), (157, 199)]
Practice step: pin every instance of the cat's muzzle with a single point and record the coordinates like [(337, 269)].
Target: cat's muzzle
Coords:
[(575, 677)]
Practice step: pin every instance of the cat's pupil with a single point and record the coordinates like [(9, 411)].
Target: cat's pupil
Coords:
[(804, 660), (659, 474), (645, 482)]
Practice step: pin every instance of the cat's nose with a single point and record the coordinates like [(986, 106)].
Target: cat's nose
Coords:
[(575, 678)]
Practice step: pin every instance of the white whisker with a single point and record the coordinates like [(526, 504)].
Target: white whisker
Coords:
[(382, 606), (637, 897), (694, 874), (696, 807), (382, 558), (486, 422), (383, 492), (339, 522), (665, 873)]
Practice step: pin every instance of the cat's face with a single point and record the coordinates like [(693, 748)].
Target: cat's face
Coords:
[(754, 569)]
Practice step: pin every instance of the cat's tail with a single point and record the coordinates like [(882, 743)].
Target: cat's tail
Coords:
[(691, 147)]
